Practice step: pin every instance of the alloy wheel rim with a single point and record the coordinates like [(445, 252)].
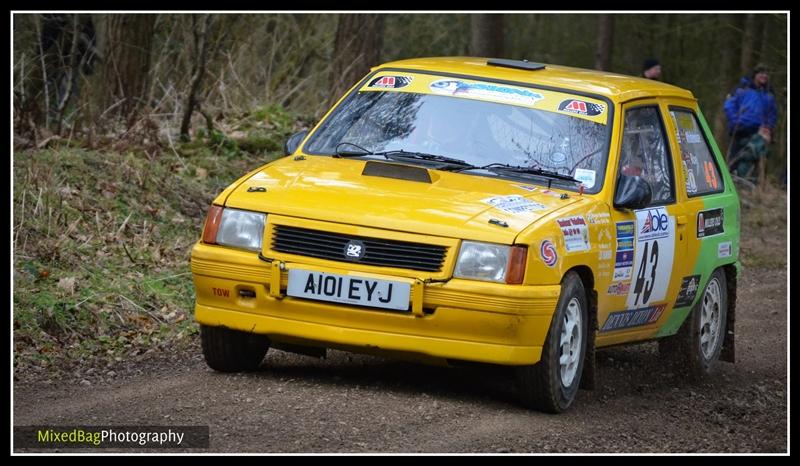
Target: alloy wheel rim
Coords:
[(570, 343), (710, 321)]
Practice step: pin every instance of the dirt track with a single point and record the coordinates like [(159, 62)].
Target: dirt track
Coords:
[(351, 403)]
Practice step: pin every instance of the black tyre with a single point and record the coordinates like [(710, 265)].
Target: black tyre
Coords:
[(551, 384), (227, 350), (698, 343)]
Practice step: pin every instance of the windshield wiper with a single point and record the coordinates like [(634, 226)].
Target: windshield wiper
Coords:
[(358, 151), (497, 167), (401, 154)]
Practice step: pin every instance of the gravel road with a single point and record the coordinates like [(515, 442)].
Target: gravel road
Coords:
[(353, 403)]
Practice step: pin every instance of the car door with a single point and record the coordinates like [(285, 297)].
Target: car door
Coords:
[(649, 242), (711, 205)]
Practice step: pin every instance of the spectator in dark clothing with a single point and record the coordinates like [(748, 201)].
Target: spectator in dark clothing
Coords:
[(651, 69), (752, 112)]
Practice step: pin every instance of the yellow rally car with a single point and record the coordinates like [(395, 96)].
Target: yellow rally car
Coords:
[(492, 211)]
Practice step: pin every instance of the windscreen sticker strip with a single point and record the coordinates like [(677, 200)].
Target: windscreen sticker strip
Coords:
[(552, 101)]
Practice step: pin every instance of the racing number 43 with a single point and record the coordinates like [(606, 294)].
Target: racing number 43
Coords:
[(649, 262)]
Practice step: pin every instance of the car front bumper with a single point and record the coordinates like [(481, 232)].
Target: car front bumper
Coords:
[(458, 320)]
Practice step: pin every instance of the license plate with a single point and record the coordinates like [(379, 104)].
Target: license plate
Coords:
[(360, 291)]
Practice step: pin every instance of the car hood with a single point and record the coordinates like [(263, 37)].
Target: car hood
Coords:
[(455, 205)]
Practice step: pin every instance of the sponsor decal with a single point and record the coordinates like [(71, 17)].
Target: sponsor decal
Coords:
[(654, 253), (599, 219), (586, 177), (623, 261), (604, 234), (551, 193), (688, 178), (603, 274), (526, 188), (688, 291), (653, 224), (576, 233), (624, 244), (548, 253), (633, 318), (458, 88), (724, 249), (581, 107), (710, 222), (619, 288), (604, 255), (513, 204), (693, 137), (391, 82)]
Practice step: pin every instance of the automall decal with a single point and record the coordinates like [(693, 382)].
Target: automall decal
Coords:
[(513, 204), (633, 318), (688, 291), (619, 288), (710, 222), (391, 82), (653, 256), (576, 233), (548, 253), (485, 91), (581, 107)]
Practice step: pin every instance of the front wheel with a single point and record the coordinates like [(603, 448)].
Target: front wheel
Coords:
[(552, 384), (228, 350)]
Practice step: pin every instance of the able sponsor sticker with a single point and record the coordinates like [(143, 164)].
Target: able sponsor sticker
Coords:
[(513, 204), (633, 318), (653, 224), (688, 291), (710, 222), (576, 233)]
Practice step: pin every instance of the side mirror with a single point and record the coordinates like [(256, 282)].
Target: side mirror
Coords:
[(633, 192), (294, 142)]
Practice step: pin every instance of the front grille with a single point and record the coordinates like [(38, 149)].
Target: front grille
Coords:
[(332, 246)]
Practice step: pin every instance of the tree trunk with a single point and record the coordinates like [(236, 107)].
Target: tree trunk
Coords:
[(200, 28), (486, 35), (727, 72), (748, 45), (356, 48), (605, 42), (129, 39)]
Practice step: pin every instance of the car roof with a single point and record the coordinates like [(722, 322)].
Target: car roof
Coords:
[(617, 87)]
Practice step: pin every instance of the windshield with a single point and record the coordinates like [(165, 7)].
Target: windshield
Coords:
[(478, 132)]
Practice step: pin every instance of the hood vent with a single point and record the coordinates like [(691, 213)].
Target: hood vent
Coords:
[(396, 171)]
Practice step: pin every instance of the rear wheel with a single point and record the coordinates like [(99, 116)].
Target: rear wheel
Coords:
[(698, 343), (552, 384), (227, 350)]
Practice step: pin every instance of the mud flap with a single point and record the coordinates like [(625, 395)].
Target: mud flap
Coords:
[(728, 352), (589, 374)]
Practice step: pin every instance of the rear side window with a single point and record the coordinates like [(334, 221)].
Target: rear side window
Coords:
[(700, 172)]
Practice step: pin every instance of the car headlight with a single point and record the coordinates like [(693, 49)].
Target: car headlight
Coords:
[(241, 229), (482, 261)]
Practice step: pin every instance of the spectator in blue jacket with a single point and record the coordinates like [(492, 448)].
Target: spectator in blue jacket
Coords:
[(751, 110)]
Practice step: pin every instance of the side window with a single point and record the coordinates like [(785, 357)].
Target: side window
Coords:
[(645, 152), (700, 172)]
